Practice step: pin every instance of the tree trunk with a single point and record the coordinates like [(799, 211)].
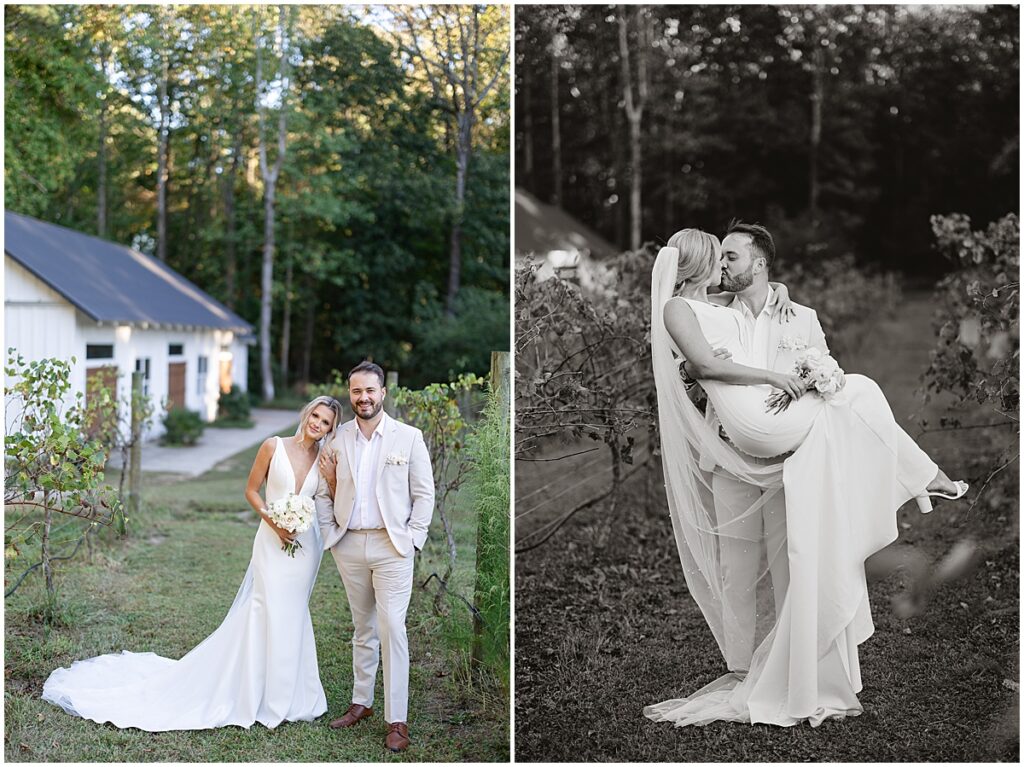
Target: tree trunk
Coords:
[(101, 186), (267, 287), (231, 231), (634, 106), (286, 323), (556, 128), (307, 338), (463, 140), (527, 178), (45, 546), (161, 172), (817, 97), (270, 176)]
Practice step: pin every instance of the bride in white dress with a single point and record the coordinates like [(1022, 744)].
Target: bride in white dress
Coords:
[(851, 468), (260, 664)]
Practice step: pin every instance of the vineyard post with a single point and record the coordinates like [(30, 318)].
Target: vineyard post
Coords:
[(135, 473), (500, 374)]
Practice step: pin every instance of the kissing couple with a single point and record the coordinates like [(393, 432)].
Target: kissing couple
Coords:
[(372, 486), (792, 460)]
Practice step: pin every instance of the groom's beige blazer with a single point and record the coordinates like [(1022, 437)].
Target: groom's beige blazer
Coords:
[(405, 487)]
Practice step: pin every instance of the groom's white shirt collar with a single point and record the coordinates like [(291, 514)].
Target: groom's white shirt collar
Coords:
[(379, 430), (741, 305)]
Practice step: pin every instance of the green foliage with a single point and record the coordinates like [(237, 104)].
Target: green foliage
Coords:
[(51, 461), (488, 487), (234, 406), (337, 387), (435, 411), (184, 427), (363, 200), (977, 315), (449, 345)]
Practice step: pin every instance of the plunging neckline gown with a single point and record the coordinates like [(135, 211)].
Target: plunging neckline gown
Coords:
[(851, 469), (259, 665)]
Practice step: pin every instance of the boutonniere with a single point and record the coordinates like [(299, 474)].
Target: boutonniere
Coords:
[(395, 459), (789, 343)]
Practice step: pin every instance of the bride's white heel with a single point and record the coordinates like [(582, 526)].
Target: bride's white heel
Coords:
[(924, 501)]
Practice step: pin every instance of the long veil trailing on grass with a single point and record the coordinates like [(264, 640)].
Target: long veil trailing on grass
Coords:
[(692, 452)]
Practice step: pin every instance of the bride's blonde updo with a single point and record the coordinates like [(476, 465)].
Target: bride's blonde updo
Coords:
[(698, 253)]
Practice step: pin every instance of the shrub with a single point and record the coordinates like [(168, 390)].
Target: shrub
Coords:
[(489, 489), (336, 388), (184, 427), (977, 356), (51, 463), (234, 405)]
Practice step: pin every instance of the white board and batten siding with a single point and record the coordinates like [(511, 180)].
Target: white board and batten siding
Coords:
[(39, 323)]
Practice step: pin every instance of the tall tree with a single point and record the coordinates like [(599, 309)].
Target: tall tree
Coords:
[(462, 51), (270, 174), (634, 101)]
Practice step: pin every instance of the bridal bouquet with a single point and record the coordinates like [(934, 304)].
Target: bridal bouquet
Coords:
[(294, 513), (818, 370)]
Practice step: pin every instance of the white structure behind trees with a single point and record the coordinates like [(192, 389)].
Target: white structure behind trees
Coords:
[(116, 310)]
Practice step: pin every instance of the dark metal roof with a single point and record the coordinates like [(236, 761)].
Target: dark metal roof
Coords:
[(110, 282)]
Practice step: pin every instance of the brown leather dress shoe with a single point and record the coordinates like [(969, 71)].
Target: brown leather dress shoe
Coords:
[(354, 714), (397, 739)]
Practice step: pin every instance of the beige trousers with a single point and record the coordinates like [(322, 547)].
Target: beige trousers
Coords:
[(378, 582), (740, 552)]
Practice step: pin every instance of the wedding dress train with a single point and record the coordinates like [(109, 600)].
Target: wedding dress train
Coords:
[(259, 665), (851, 468)]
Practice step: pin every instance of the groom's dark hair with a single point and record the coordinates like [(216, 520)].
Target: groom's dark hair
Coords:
[(368, 367), (760, 239)]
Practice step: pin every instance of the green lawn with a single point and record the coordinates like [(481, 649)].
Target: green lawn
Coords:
[(169, 585)]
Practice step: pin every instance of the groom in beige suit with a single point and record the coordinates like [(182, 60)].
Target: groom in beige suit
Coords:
[(374, 505)]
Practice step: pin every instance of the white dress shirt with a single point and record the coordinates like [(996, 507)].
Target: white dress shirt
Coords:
[(366, 514), (759, 328)]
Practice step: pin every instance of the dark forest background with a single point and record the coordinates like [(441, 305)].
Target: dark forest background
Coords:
[(841, 128)]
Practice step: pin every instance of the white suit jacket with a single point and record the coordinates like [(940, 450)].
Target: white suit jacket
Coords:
[(804, 327), (405, 487)]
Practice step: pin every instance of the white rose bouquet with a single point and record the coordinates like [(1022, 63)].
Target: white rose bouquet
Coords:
[(294, 513), (818, 370)]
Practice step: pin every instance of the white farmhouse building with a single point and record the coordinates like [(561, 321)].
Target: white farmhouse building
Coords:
[(68, 294)]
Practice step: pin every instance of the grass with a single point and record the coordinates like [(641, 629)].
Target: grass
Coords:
[(168, 586), (604, 623)]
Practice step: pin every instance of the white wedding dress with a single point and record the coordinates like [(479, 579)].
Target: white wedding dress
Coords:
[(852, 468), (259, 665)]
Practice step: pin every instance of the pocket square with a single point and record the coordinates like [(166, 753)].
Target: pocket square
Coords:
[(395, 459)]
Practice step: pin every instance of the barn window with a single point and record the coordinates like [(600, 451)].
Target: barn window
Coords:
[(142, 364), (201, 375), (99, 351), (175, 350)]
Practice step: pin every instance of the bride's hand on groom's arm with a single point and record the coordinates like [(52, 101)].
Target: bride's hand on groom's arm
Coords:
[(329, 469), (783, 310)]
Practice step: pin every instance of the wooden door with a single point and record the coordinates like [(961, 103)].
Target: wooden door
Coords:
[(175, 385)]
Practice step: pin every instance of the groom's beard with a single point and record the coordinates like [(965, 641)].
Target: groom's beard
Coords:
[(737, 282), (374, 409)]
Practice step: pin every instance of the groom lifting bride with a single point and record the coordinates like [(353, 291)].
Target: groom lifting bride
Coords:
[(811, 463)]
